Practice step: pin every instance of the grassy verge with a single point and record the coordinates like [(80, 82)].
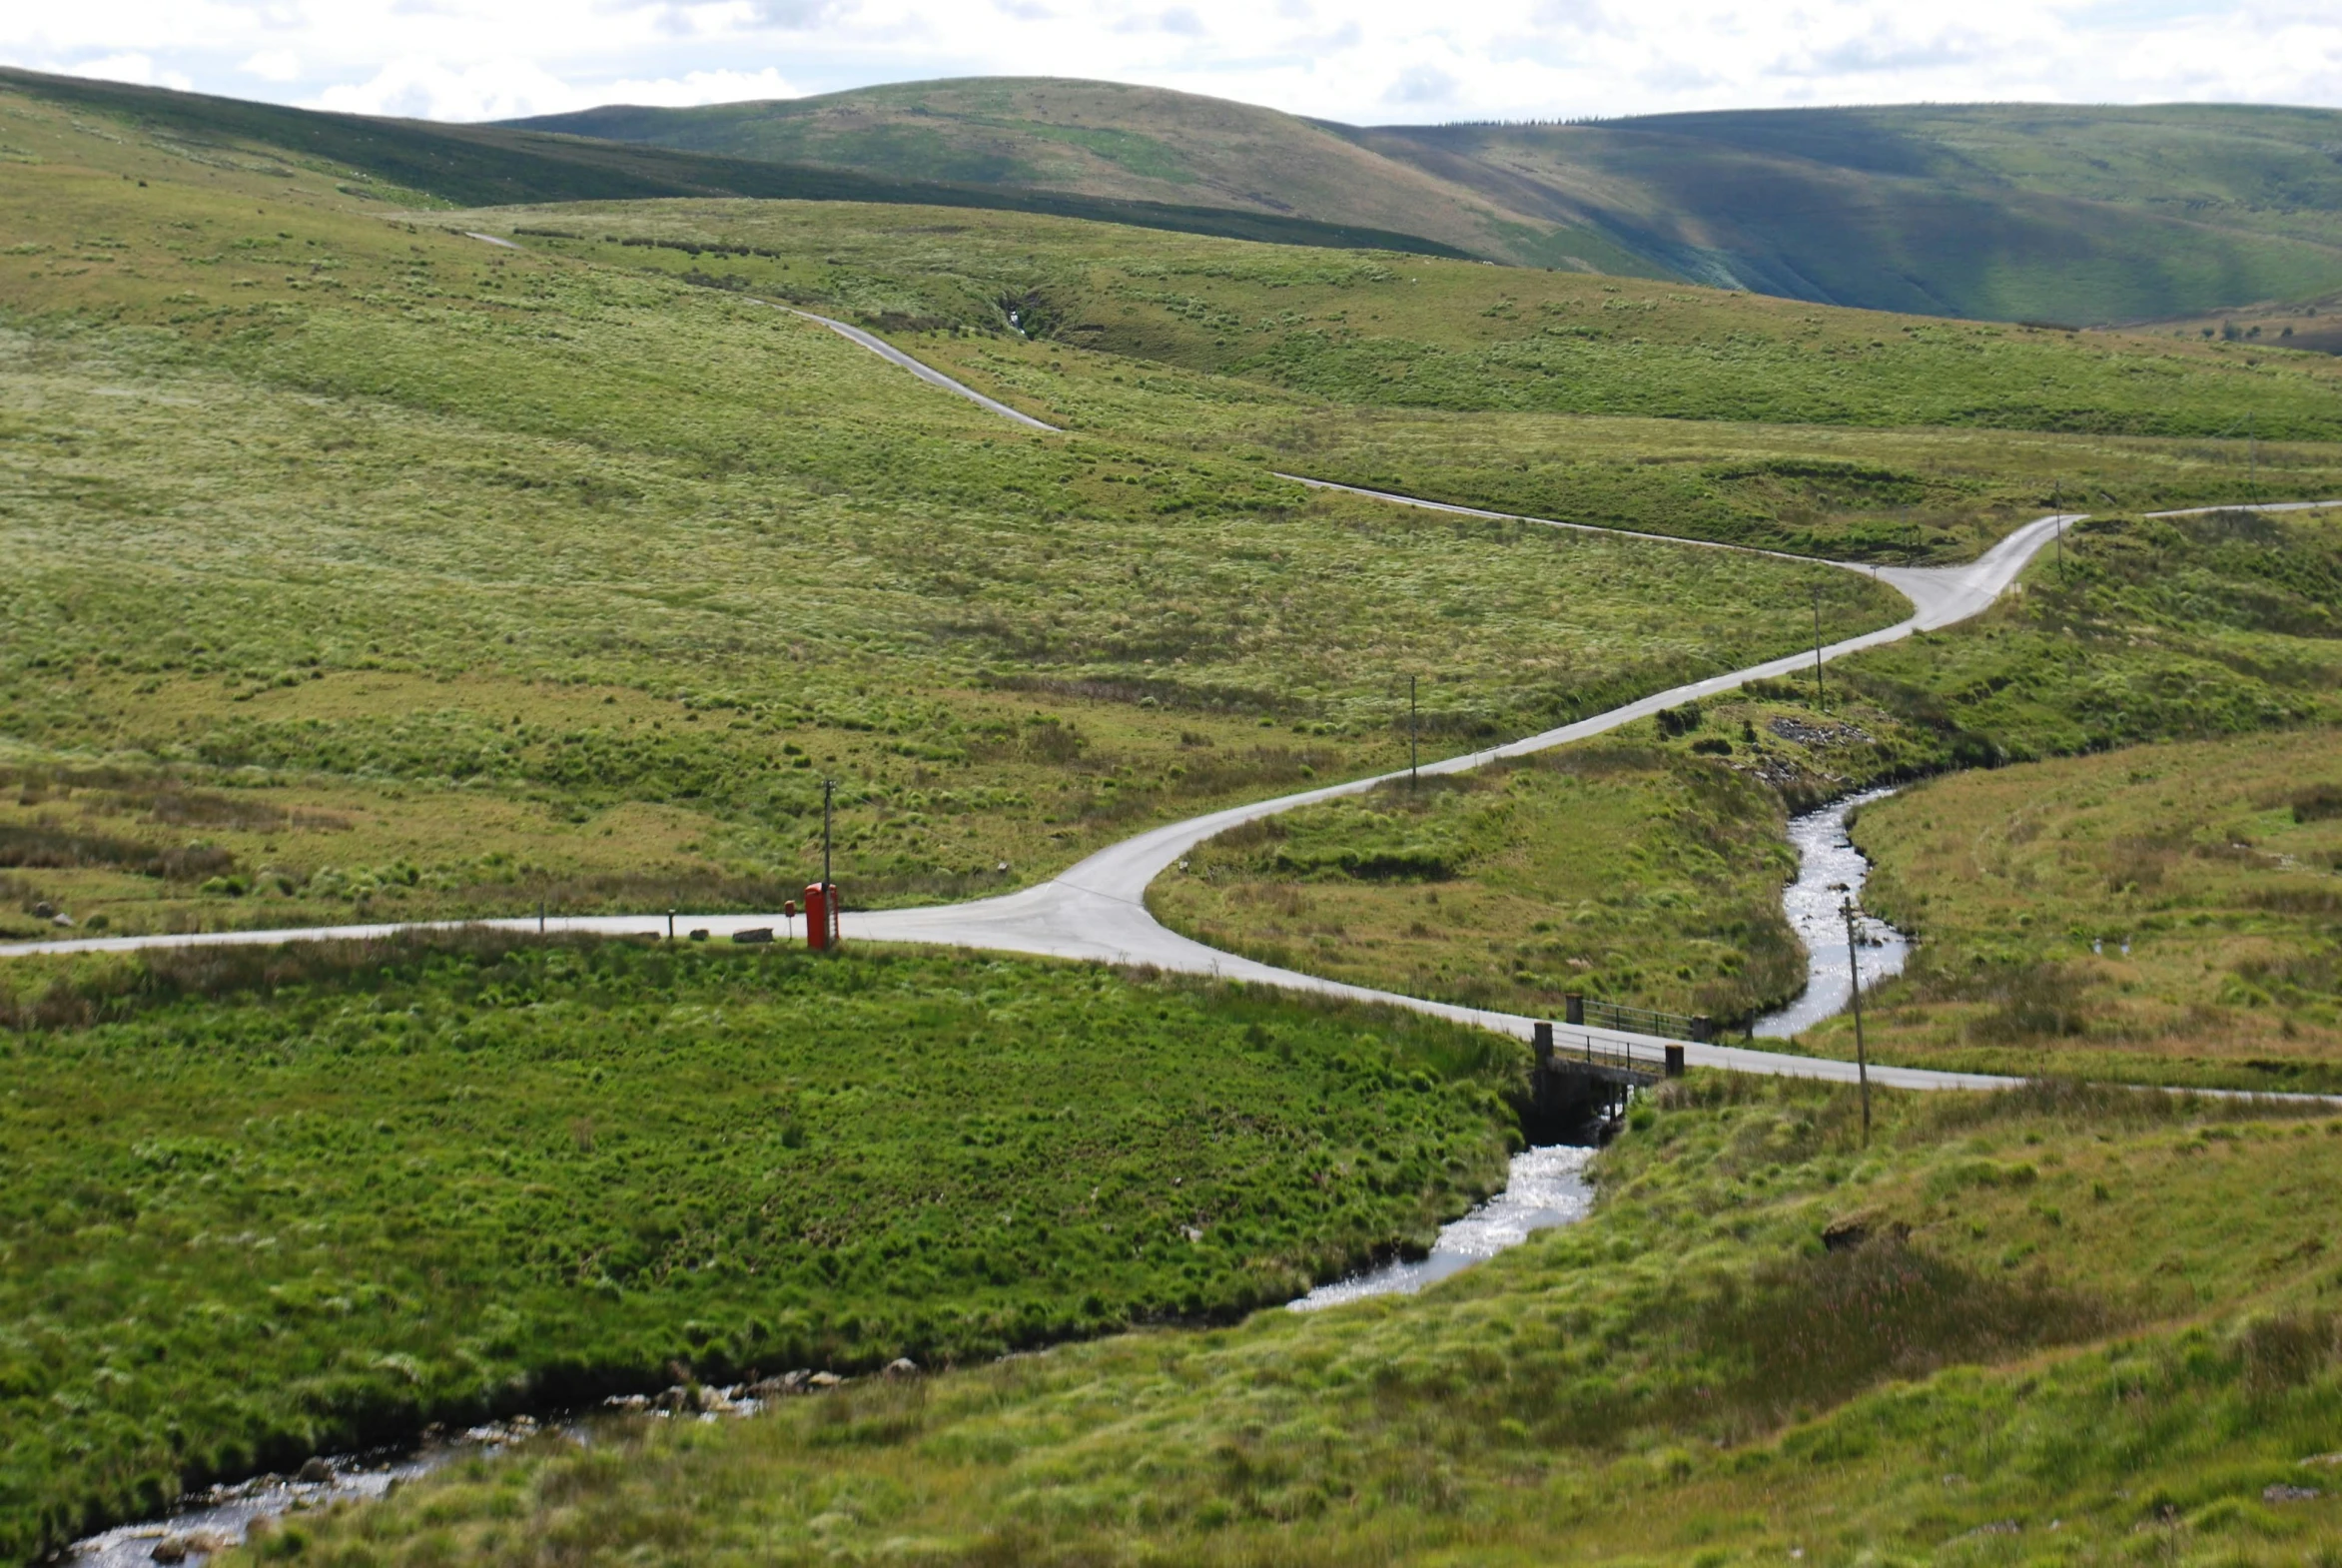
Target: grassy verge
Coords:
[(1621, 869), (2055, 1327), (263, 1203)]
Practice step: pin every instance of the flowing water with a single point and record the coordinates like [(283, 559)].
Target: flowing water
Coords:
[(218, 1517), (1546, 1188), (1830, 871)]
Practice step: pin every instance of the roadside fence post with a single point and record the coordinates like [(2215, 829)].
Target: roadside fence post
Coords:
[(1862, 1059)]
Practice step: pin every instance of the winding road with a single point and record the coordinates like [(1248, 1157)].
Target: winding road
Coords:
[(1096, 910)]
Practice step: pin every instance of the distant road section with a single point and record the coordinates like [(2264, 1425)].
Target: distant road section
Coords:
[(926, 373)]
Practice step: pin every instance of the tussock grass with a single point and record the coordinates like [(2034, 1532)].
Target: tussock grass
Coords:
[(2162, 912), (262, 1203), (1689, 1375), (597, 573)]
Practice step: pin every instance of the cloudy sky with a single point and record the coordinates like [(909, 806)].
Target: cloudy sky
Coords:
[(1364, 61)]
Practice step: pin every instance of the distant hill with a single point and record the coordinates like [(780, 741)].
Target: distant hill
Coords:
[(478, 166), (2082, 214)]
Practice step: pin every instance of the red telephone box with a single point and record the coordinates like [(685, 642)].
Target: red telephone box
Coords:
[(821, 915)]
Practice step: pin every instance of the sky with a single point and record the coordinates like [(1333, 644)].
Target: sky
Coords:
[(1361, 60)]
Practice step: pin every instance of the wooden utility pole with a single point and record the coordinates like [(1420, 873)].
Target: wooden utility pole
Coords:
[(1412, 751), (1862, 1057), (1821, 695), (2058, 509)]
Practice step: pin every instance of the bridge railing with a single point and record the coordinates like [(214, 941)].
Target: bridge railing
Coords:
[(1592, 1012), (1560, 1049)]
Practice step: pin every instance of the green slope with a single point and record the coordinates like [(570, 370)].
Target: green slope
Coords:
[(2010, 211), (1109, 140), (483, 165), (2014, 211)]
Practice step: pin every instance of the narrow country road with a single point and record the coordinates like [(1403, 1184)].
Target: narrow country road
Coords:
[(1097, 910)]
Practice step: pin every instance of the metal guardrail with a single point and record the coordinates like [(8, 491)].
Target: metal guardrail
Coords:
[(1591, 1012), (1559, 1051)]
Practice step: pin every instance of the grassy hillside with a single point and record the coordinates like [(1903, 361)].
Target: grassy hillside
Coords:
[(1427, 376), (482, 578), (2056, 1327), (1109, 140), (313, 1199), (2008, 212), (1997, 211), (401, 161), (489, 576), (2157, 912), (1647, 869)]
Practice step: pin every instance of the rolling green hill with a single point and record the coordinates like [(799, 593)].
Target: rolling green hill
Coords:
[(1110, 141), (414, 162), (2010, 211)]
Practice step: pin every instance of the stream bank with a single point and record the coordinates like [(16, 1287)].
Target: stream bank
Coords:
[(1830, 871)]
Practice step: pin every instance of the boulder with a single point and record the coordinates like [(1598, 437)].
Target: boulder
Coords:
[(901, 1366), (1843, 1236), (778, 1387), (314, 1472), (824, 1380)]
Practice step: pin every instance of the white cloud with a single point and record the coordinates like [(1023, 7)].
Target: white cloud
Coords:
[(421, 88), (1357, 60), (128, 66), (697, 87), (274, 65), (1421, 84)]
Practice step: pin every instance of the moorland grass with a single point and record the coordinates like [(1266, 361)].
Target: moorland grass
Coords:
[(498, 554), (265, 1202), (1377, 330), (1646, 868), (1619, 870), (2161, 912), (1874, 477), (2096, 1325)]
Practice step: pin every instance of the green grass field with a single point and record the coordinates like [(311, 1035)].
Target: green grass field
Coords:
[(520, 578), (2163, 913), (261, 1204), (367, 570), (1615, 870), (2086, 1329), (2063, 213), (1646, 869)]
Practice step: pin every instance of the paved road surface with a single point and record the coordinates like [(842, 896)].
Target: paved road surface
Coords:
[(1097, 909)]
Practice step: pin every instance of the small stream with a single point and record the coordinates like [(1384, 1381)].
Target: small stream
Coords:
[(1546, 1186), (217, 1517), (1830, 870)]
